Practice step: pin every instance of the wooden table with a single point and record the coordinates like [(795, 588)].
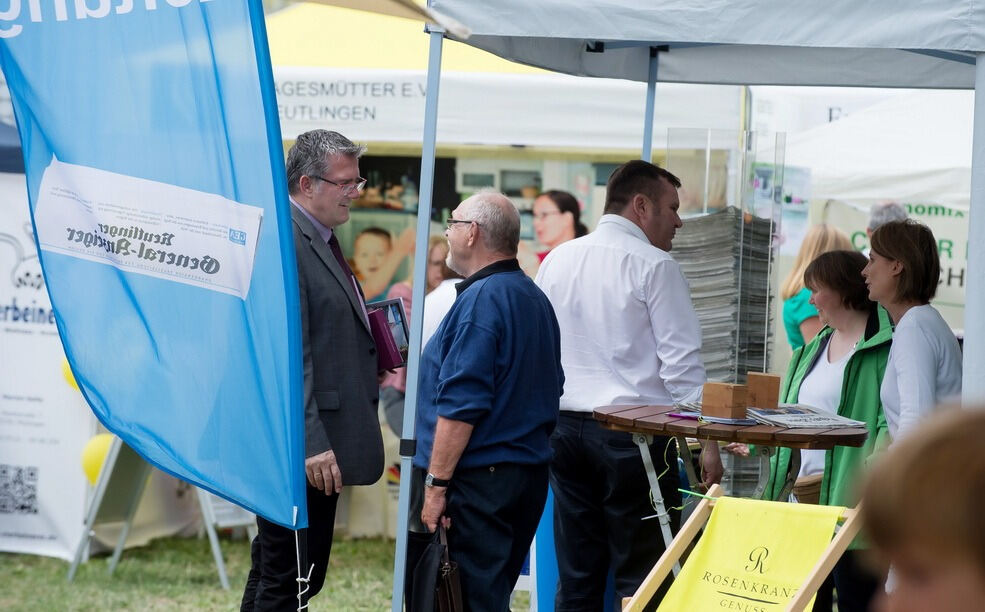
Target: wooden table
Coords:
[(644, 422), (656, 421)]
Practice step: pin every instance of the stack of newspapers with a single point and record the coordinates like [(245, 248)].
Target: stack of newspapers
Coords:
[(799, 415), (725, 257)]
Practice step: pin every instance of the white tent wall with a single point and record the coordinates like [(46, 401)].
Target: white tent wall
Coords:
[(794, 110), (914, 149), (494, 109)]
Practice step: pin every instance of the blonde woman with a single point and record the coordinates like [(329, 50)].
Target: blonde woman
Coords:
[(799, 316)]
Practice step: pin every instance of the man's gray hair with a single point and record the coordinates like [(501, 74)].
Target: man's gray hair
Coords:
[(498, 219), (310, 154), (884, 212)]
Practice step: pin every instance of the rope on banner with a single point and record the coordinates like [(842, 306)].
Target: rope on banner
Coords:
[(302, 580)]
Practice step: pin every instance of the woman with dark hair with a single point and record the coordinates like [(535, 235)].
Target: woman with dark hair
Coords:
[(924, 366), (839, 371), (557, 219), (799, 316)]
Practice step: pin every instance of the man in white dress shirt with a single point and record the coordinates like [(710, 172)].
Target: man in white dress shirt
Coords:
[(629, 335)]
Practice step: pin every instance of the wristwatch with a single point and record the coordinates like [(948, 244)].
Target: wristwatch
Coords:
[(433, 481)]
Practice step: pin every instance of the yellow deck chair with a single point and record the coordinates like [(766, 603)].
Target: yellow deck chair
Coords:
[(754, 555)]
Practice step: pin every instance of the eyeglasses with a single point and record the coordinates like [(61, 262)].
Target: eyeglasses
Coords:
[(544, 215), (451, 222), (347, 186)]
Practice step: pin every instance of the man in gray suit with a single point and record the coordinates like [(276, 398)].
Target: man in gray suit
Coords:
[(343, 444)]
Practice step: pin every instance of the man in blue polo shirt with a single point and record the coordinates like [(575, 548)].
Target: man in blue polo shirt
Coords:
[(491, 383)]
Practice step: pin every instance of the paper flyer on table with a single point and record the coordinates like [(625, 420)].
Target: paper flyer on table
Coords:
[(148, 227)]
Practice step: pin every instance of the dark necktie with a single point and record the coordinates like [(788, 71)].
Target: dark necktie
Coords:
[(333, 243)]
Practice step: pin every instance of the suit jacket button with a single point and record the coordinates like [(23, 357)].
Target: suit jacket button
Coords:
[(372, 351)]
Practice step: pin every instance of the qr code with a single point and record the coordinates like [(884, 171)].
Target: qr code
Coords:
[(18, 489)]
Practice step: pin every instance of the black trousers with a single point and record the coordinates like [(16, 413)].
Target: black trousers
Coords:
[(855, 583), (272, 582), (824, 598), (494, 513), (601, 495)]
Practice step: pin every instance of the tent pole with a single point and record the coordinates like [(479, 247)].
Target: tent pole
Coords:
[(651, 94), (417, 310), (973, 387)]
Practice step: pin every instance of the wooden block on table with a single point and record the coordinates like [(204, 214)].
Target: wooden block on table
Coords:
[(724, 400), (764, 390)]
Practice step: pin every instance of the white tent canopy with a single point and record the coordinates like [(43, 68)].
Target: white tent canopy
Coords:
[(903, 43), (915, 148)]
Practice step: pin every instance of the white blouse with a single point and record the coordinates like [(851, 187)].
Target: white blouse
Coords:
[(924, 369), (821, 389)]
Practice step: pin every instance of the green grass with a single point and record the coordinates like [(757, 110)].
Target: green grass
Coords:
[(179, 574)]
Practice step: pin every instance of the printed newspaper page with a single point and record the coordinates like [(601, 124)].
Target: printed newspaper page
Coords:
[(801, 416)]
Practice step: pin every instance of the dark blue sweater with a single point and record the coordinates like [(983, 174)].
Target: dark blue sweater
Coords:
[(495, 363)]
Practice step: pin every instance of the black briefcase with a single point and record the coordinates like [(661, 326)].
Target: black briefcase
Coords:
[(436, 586)]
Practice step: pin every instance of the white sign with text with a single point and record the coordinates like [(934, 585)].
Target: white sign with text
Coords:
[(148, 227)]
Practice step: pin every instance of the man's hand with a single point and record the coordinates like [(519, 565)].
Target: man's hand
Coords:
[(434, 508), (323, 472), (711, 464)]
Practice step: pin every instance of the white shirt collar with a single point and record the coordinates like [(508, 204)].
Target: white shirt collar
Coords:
[(623, 224)]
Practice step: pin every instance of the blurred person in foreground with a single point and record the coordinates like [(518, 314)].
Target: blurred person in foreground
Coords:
[(630, 335), (800, 318), (343, 444), (924, 367), (490, 383), (840, 371), (922, 509)]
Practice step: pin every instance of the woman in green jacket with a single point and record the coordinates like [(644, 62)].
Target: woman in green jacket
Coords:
[(841, 371)]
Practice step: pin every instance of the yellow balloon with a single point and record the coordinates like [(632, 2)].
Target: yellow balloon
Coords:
[(69, 376), (94, 454)]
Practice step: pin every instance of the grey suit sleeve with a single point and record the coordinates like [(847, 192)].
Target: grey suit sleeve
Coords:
[(315, 437)]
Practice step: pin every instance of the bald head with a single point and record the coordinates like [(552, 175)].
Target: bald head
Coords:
[(498, 220)]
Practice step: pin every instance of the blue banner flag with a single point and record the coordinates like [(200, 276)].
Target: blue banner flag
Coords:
[(156, 182)]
